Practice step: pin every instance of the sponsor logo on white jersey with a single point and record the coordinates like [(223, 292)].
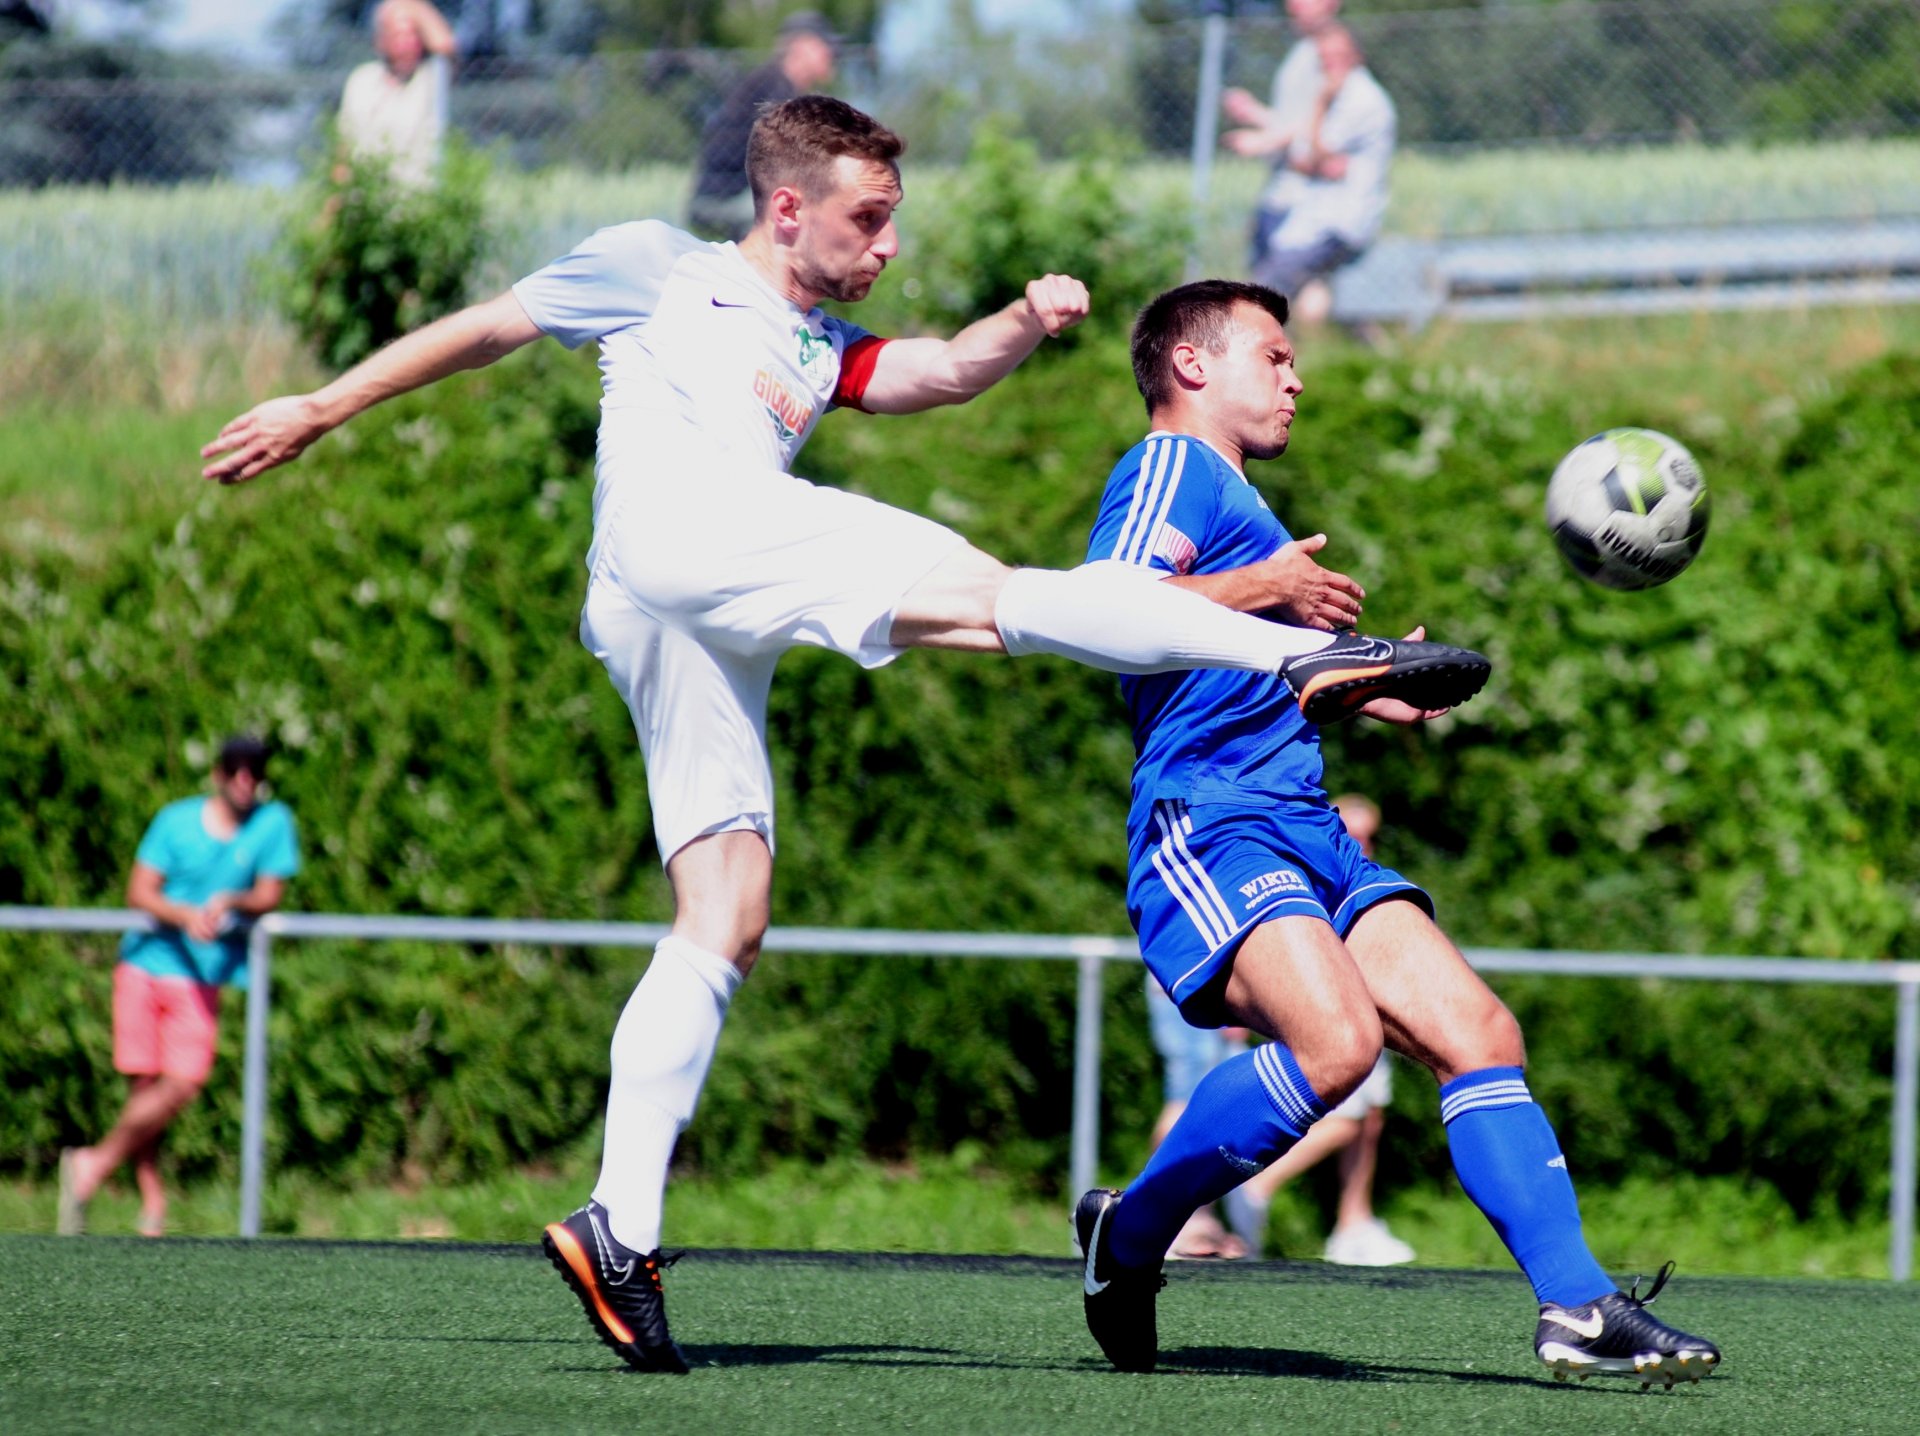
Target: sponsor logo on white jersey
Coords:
[(790, 413), (1279, 880)]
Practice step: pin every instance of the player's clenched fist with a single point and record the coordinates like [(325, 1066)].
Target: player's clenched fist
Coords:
[(1058, 301), (267, 435)]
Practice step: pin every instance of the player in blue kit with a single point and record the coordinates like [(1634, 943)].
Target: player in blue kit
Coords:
[(1256, 909)]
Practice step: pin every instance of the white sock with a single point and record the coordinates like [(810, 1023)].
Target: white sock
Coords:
[(662, 1048), (1122, 618)]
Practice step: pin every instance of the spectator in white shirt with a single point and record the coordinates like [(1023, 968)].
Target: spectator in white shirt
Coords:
[(1328, 194), (394, 108)]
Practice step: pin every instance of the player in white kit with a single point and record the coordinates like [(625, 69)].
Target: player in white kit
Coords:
[(710, 560)]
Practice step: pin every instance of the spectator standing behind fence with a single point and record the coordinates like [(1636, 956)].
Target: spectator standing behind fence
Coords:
[(394, 109), (1331, 130), (204, 865), (1353, 1129), (803, 61)]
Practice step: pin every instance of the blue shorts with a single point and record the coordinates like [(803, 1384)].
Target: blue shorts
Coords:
[(1203, 876)]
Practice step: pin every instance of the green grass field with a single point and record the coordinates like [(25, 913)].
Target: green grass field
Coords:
[(126, 1336)]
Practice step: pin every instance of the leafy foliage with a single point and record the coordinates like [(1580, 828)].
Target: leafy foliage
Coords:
[(1717, 766), (371, 259), (1007, 216)]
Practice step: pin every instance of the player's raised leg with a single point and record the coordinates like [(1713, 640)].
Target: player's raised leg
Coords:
[(1292, 981), (1122, 618), (1436, 1009)]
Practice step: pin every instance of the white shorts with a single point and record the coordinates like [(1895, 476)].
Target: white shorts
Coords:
[(702, 575), (1375, 1091)]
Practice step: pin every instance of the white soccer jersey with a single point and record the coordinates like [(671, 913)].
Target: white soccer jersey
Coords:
[(692, 336)]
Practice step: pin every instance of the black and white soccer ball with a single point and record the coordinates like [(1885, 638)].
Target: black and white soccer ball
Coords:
[(1628, 508)]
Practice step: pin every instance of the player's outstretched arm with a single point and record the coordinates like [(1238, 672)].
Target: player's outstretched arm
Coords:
[(914, 374), (279, 431), (1291, 584)]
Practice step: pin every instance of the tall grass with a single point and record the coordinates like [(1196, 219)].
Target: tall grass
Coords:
[(195, 253)]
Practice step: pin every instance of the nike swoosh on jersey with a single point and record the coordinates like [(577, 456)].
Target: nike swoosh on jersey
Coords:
[(731, 304), (1093, 1286), (1589, 1328)]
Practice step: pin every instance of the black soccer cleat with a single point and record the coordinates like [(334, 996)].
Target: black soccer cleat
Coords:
[(1349, 673), (1618, 1336), (619, 1288), (1119, 1299)]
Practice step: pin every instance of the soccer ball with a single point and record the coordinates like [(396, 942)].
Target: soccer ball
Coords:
[(1628, 508)]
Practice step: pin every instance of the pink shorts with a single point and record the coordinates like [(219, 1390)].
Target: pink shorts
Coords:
[(163, 1026)]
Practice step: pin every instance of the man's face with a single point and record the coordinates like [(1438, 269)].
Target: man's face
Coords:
[(1309, 17), (847, 235), (240, 789), (397, 41), (808, 61), (1251, 387)]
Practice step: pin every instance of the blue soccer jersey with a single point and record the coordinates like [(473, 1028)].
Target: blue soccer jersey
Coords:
[(1174, 505)]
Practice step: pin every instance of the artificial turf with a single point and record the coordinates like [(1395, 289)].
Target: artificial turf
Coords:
[(205, 1337)]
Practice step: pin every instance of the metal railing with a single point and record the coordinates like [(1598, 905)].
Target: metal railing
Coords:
[(1089, 952)]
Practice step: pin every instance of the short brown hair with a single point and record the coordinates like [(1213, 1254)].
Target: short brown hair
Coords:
[(796, 142), (1199, 314)]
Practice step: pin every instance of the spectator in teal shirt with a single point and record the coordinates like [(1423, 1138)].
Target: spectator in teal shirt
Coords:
[(205, 867)]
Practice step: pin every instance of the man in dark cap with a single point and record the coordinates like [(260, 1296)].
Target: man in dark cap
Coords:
[(206, 867), (803, 61)]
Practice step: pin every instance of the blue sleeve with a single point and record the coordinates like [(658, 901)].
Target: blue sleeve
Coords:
[(612, 280), (1159, 508), (280, 846)]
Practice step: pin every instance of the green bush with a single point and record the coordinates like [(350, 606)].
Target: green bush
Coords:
[(1721, 765), (368, 259)]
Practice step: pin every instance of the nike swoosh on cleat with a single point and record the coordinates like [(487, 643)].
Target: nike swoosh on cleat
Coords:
[(1589, 1328), (601, 1240), (1093, 1286)]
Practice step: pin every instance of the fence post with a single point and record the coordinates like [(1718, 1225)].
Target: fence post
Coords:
[(1086, 1076), (253, 1100), (1206, 123), (1906, 1102)]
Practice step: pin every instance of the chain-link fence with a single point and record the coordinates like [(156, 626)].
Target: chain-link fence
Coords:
[(1648, 93)]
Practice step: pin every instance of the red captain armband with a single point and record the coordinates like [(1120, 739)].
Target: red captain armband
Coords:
[(856, 371)]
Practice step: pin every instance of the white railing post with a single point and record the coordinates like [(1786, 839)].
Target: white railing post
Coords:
[(1906, 1105), (1206, 125), (1085, 1153), (253, 1095)]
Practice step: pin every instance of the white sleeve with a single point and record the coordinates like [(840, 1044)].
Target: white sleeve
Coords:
[(611, 280)]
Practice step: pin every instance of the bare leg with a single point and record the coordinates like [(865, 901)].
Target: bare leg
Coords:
[(153, 1193), (1357, 1162), (154, 1103)]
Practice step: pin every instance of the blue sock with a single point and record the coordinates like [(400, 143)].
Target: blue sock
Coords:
[(1241, 1117), (1510, 1164)]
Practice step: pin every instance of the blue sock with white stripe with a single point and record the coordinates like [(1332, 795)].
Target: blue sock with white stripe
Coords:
[(1242, 1116), (1510, 1164)]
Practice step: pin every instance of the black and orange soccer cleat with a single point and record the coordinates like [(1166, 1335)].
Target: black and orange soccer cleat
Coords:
[(1618, 1336), (619, 1288), (1339, 680)]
